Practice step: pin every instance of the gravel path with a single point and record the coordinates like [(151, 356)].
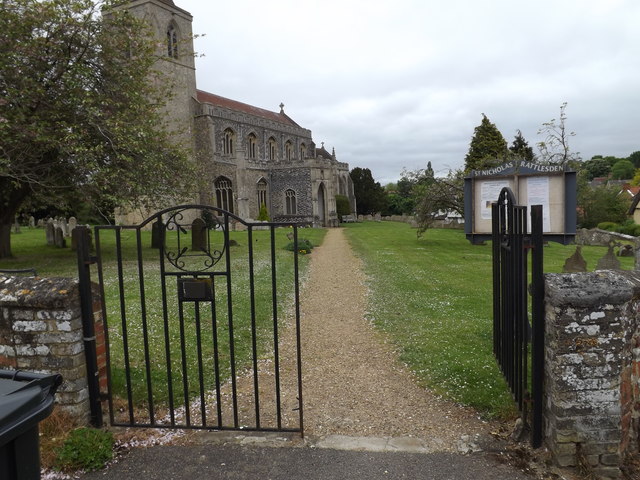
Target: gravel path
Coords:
[(353, 382)]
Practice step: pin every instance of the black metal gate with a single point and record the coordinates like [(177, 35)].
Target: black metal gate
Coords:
[(512, 332), (194, 322)]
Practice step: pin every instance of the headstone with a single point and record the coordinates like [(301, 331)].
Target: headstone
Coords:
[(156, 234), (626, 251), (41, 223), (50, 232), (32, 222), (609, 261), (198, 235), (65, 228), (16, 225), (73, 223), (575, 263), (75, 233), (59, 236)]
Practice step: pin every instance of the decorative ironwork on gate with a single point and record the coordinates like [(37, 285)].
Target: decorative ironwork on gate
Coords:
[(512, 331), (194, 329)]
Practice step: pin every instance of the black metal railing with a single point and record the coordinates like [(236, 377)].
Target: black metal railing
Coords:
[(512, 331), (188, 346)]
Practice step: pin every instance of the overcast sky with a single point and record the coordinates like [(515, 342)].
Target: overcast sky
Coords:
[(395, 84)]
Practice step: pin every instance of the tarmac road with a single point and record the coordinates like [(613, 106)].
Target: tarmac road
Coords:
[(251, 462)]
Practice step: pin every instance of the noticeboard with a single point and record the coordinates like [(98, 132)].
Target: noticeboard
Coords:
[(552, 186)]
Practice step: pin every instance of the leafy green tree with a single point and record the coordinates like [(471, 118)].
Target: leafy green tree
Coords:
[(597, 166), (488, 147), (520, 148), (370, 196), (80, 104), (343, 207), (635, 159), (622, 169), (263, 214), (443, 194), (555, 146), (601, 204)]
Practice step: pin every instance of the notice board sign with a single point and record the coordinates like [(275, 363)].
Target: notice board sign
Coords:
[(552, 186)]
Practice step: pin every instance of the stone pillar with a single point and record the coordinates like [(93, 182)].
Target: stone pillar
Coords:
[(591, 374), (41, 331)]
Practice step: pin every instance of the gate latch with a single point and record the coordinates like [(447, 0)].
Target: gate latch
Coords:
[(195, 289)]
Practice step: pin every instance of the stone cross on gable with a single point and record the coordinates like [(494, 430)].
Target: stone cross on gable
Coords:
[(281, 107)]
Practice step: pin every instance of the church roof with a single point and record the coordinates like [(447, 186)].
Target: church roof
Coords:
[(217, 100), (169, 2), (322, 152)]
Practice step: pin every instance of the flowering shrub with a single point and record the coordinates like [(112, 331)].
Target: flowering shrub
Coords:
[(304, 246)]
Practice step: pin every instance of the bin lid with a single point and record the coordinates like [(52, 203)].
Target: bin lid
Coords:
[(25, 400), (17, 398)]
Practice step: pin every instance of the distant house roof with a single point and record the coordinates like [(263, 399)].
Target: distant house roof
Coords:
[(634, 202), (218, 101)]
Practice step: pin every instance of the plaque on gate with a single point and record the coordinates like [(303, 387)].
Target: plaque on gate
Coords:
[(195, 289)]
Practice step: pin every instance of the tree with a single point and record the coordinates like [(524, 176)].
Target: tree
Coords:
[(596, 167), (488, 147), (444, 194), (635, 159), (622, 169), (555, 146), (370, 195), (520, 147), (601, 204), (343, 207), (80, 109)]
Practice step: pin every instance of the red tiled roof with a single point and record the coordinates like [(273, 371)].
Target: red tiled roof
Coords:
[(217, 100)]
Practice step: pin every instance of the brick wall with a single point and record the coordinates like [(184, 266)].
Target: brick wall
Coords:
[(592, 372), (41, 331)]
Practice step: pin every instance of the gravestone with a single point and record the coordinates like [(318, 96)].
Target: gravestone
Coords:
[(60, 242), (198, 235), (156, 234), (65, 228), (75, 236), (626, 251), (41, 223), (73, 223), (609, 261), (50, 232), (575, 263), (32, 222), (16, 225)]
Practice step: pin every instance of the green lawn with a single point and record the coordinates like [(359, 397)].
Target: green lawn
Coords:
[(433, 297), (196, 332)]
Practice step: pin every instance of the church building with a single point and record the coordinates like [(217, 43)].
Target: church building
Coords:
[(251, 157)]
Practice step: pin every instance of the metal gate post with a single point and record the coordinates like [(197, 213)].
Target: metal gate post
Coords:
[(538, 321), (88, 329)]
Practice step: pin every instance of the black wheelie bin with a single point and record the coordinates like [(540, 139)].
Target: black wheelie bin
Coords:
[(25, 400)]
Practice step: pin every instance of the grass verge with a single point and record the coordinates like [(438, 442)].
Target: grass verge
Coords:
[(433, 297)]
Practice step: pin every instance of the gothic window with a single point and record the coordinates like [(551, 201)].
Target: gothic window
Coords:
[(172, 42), (290, 201), (252, 145), (288, 150), (224, 194), (227, 146), (272, 148), (303, 151), (262, 192)]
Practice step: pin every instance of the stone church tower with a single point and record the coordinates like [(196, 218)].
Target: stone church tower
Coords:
[(250, 158), (172, 27)]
